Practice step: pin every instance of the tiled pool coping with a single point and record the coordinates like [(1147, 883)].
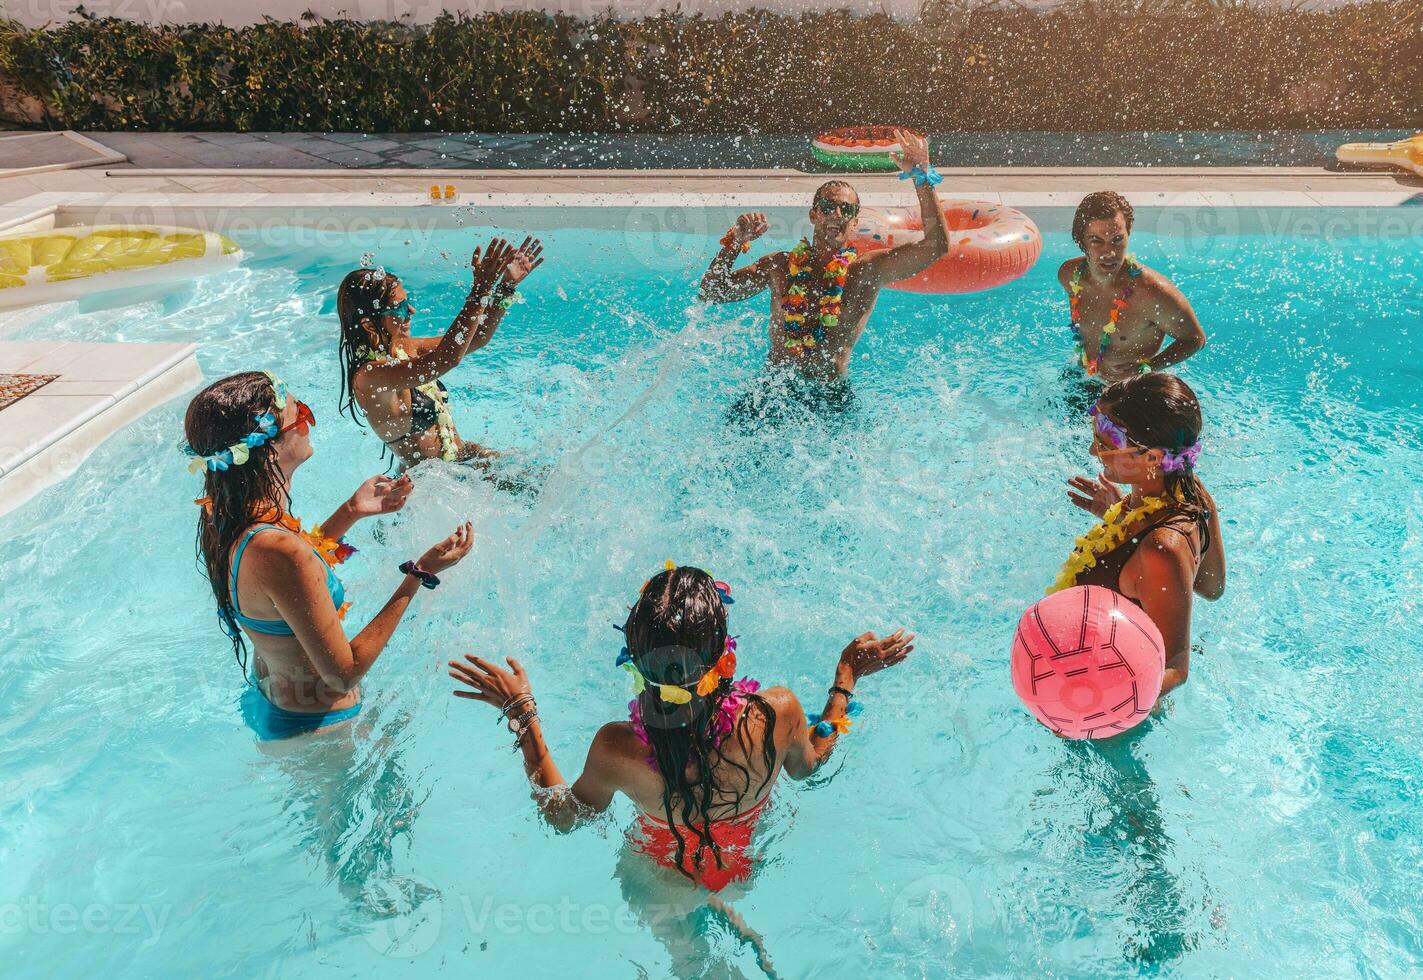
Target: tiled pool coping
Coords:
[(101, 388)]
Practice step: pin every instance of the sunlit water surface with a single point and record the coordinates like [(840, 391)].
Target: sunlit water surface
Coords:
[(1268, 827)]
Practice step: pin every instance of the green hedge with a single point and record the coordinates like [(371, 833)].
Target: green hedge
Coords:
[(1089, 65)]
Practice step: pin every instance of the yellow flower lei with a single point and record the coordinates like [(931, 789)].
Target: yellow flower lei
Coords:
[(444, 420), (1102, 539)]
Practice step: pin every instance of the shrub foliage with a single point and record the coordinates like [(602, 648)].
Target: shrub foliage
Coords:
[(1085, 65)]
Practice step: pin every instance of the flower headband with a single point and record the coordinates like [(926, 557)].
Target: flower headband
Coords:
[(725, 666), (1172, 460), (239, 452)]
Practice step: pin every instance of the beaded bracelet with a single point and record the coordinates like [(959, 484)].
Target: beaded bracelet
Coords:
[(520, 726), (729, 241), (515, 702), (427, 579)]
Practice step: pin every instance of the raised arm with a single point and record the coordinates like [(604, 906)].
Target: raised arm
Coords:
[(892, 265), (433, 361), (812, 740), (509, 691), (724, 284), (378, 495), (525, 259), (1178, 321), (295, 581)]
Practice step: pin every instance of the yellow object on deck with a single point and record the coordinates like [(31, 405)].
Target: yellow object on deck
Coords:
[(64, 263), (1407, 154)]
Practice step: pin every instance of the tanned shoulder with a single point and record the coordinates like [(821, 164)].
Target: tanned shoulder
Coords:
[(1156, 286)]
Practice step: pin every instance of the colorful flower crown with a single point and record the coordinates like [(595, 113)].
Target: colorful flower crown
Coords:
[(239, 452), (1181, 460), (723, 669), (1172, 460)]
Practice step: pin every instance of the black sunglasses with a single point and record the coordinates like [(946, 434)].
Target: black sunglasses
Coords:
[(847, 209)]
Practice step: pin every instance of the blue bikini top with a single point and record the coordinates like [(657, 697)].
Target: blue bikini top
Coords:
[(277, 627)]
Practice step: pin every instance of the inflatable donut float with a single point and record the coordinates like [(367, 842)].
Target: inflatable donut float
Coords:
[(989, 245), (858, 147)]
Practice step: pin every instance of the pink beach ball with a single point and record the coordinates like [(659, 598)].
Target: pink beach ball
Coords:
[(1088, 662)]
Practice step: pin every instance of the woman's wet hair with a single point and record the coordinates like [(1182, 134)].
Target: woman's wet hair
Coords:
[(1099, 206), (362, 295), (220, 415), (675, 632), (1160, 411)]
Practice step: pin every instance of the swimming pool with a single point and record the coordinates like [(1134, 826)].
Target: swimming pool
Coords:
[(1268, 827)]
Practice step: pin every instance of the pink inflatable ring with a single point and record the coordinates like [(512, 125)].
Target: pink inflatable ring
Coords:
[(989, 245)]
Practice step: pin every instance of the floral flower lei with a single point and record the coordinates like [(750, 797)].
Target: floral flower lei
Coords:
[(333, 551), (1094, 365), (795, 305), (444, 420), (240, 452), (721, 726), (723, 669), (1103, 539)]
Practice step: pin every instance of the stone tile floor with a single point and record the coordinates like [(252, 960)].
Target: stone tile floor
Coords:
[(643, 151)]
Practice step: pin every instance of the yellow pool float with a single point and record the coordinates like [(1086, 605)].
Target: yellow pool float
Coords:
[(1404, 153), (66, 263)]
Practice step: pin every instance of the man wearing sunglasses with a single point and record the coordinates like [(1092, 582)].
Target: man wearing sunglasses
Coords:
[(821, 334)]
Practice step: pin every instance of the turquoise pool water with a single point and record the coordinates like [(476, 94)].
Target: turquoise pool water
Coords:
[(1268, 827)]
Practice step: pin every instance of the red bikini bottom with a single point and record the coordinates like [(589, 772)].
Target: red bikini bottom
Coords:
[(732, 835)]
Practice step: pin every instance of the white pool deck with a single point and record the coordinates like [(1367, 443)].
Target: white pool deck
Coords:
[(58, 180), (101, 388)]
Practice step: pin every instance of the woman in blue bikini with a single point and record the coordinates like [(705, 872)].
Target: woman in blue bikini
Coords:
[(273, 580)]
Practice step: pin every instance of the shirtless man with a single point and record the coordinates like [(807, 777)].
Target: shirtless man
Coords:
[(818, 345), (1150, 308)]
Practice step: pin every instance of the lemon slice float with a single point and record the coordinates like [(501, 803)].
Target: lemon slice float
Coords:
[(66, 263), (1407, 154)]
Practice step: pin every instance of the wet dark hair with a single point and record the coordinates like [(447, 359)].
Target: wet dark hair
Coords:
[(1160, 411), (1097, 206), (834, 185), (218, 416), (675, 632), (362, 295)]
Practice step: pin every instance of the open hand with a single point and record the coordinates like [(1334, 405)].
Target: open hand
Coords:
[(750, 227), (1093, 496), (490, 265), (527, 258), (913, 150), (867, 654), (380, 495), (489, 683), (448, 552)]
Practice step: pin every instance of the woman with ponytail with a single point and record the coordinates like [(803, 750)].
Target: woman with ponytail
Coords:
[(1161, 542), (247, 436), (391, 379), (702, 749)]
